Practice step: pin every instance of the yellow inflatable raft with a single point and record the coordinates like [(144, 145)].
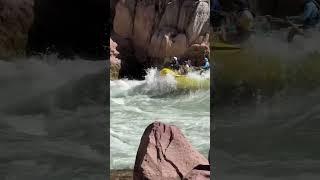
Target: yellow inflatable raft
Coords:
[(185, 82)]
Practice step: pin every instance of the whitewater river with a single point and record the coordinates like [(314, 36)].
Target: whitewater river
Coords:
[(136, 104), (52, 119), (267, 111)]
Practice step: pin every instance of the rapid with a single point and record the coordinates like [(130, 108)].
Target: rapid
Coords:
[(52, 118), (135, 104), (267, 110)]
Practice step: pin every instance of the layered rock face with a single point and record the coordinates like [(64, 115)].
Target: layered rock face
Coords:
[(16, 17), (164, 153), (163, 28)]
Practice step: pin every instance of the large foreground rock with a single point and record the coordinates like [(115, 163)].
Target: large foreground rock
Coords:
[(201, 172), (162, 28), (16, 17), (164, 153)]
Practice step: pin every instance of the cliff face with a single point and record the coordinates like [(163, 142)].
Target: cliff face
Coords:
[(65, 27), (16, 17), (70, 28), (163, 28)]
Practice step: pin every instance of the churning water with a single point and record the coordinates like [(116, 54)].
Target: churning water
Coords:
[(276, 136), (136, 104), (52, 119)]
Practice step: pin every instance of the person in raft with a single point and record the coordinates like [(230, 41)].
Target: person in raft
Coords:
[(239, 23), (184, 68), (206, 65), (310, 18), (175, 64)]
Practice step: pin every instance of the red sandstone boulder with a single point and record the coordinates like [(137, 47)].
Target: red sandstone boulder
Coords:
[(201, 172), (197, 52), (164, 153)]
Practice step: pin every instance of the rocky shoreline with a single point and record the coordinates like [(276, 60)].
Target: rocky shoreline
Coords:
[(125, 174)]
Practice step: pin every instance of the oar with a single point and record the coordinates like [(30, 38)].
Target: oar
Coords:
[(223, 46), (284, 21), (296, 28)]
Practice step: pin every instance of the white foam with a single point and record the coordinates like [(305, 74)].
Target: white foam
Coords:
[(135, 104)]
